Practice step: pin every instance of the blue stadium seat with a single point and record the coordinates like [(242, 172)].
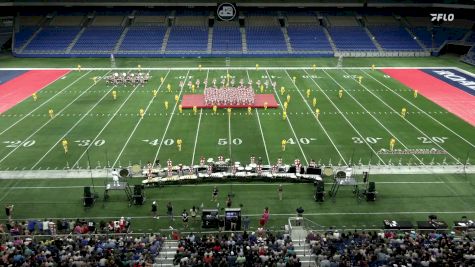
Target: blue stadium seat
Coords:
[(226, 38), (23, 35), (143, 38), (350, 38), (188, 38), (53, 38), (308, 38), (394, 38), (265, 39), (98, 39)]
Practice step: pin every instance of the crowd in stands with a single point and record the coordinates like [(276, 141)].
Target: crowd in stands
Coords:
[(237, 249), (391, 249), (77, 248)]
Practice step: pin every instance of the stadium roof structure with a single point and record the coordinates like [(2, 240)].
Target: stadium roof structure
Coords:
[(466, 4)]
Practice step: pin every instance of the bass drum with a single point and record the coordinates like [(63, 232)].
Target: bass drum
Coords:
[(124, 173), (340, 174)]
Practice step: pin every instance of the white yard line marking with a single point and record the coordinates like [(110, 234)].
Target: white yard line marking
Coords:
[(72, 128), (44, 103), (288, 120), (199, 124), (260, 127), (46, 123), (410, 123), (346, 119), (420, 110), (139, 121), (372, 116), (105, 126), (229, 137), (171, 117), (315, 116)]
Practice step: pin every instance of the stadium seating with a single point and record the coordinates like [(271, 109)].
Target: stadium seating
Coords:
[(265, 39), (441, 34), (143, 38), (188, 38), (22, 36), (97, 40), (226, 38), (52, 39), (394, 38), (351, 38), (308, 38)]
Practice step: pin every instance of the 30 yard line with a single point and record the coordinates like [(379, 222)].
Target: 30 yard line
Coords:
[(105, 126), (47, 122), (372, 116), (288, 120), (171, 117), (410, 123), (72, 128), (346, 119), (139, 121), (44, 103), (434, 119), (315, 116), (199, 123)]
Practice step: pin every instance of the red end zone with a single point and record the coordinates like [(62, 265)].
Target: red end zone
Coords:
[(21, 87), (199, 101), (452, 99)]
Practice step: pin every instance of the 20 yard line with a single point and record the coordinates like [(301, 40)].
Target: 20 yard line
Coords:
[(315, 116), (171, 117), (424, 112), (47, 122), (288, 120), (105, 126), (139, 121), (199, 123), (346, 119), (410, 123), (44, 103), (260, 127)]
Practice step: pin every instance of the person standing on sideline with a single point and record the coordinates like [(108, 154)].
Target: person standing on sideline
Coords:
[(9, 211), (154, 210), (170, 211), (193, 213), (214, 196), (266, 215), (184, 218), (280, 191)]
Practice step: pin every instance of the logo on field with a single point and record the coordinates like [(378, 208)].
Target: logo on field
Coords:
[(442, 17), (226, 11), (457, 78)]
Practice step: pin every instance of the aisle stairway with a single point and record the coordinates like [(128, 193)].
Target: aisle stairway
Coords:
[(167, 253)]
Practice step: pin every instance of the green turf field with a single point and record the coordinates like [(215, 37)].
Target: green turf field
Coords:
[(351, 130)]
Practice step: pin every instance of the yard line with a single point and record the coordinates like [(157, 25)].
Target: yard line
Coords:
[(139, 121), (367, 111), (229, 131), (315, 116), (199, 123), (46, 123), (103, 128), (260, 127), (72, 128), (171, 117), (346, 119), (42, 104), (421, 110), (288, 120), (410, 123)]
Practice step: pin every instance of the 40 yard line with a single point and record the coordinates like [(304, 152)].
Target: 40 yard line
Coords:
[(44, 103), (47, 122), (139, 121), (171, 117)]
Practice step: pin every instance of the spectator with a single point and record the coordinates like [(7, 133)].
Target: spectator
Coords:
[(170, 211), (154, 210)]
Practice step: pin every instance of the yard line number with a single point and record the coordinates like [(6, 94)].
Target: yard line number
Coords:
[(433, 139), (87, 142), (369, 139), (18, 143), (302, 140)]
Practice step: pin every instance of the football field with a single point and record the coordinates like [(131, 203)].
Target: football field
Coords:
[(353, 129)]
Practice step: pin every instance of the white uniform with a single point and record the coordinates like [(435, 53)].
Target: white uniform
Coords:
[(115, 178)]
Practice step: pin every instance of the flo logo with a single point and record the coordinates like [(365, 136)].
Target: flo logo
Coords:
[(226, 11), (442, 17)]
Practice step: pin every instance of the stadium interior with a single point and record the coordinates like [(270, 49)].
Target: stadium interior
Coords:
[(369, 164)]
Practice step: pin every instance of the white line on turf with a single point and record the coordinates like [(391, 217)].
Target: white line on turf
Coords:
[(420, 110), (171, 117), (72, 128), (288, 120), (260, 127), (44, 103), (346, 119), (315, 116), (139, 121), (46, 123), (229, 137), (199, 124), (410, 123), (105, 126), (372, 116)]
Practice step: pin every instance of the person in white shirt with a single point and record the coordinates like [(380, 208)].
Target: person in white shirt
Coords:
[(115, 178)]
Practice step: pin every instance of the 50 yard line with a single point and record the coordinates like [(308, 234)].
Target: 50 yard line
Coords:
[(199, 123)]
